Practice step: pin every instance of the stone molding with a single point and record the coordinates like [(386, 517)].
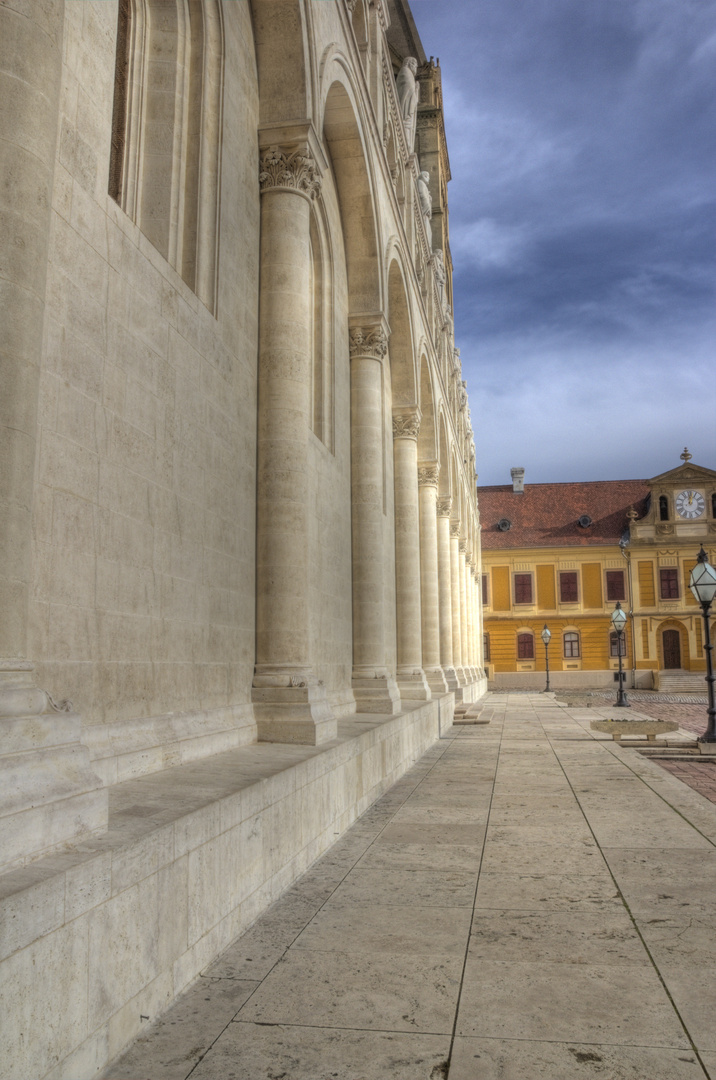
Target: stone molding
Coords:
[(289, 169), (406, 424), (368, 341), (428, 475), (444, 506)]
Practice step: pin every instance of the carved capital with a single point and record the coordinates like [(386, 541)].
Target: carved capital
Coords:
[(455, 529), (444, 506), (463, 545), (406, 424), (428, 475), (370, 341), (351, 4), (289, 169)]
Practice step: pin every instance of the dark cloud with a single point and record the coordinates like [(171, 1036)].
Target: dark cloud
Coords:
[(583, 217)]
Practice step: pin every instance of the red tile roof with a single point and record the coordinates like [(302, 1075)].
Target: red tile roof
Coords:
[(547, 515)]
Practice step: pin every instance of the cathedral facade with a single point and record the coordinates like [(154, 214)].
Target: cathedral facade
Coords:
[(238, 472)]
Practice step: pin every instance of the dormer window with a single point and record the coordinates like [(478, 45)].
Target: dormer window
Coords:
[(663, 508)]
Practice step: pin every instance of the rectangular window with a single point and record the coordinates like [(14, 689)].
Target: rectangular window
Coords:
[(571, 645), (523, 588), (485, 590), (669, 580), (615, 640), (615, 585), (486, 647), (568, 587), (525, 647)]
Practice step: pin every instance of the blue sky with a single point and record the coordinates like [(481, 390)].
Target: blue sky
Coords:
[(582, 141)]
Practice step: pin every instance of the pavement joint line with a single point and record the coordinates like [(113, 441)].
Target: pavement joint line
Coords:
[(629, 911)]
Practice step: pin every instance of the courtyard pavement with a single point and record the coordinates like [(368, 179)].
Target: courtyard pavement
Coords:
[(530, 900)]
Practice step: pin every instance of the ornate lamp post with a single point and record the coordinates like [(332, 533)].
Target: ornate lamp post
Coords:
[(546, 635), (619, 622), (703, 586)]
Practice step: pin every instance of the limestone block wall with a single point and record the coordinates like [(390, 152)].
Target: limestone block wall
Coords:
[(142, 602)]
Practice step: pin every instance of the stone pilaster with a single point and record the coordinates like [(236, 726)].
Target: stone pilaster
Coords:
[(428, 479), (444, 506), (456, 601), (50, 794), (290, 704), (374, 687), (464, 600), (411, 677)]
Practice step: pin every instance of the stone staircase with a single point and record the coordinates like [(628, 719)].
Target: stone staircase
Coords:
[(679, 682)]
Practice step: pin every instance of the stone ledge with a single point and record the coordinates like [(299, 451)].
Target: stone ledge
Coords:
[(119, 925)]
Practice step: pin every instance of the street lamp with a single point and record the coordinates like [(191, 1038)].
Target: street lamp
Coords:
[(546, 635), (703, 586), (619, 622)]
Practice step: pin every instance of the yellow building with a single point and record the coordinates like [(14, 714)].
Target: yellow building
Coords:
[(563, 554)]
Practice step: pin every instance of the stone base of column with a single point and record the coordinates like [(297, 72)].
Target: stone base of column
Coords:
[(461, 676), (51, 796), (451, 679), (436, 681), (375, 692), (291, 707), (413, 685)]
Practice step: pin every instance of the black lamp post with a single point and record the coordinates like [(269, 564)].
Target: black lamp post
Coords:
[(703, 586), (619, 622), (546, 635)]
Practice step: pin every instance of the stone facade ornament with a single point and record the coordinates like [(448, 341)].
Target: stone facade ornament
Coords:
[(426, 201), (406, 425), (408, 97), (463, 544), (369, 341), (351, 5), (444, 506), (439, 271), (292, 170), (428, 475), (455, 529)]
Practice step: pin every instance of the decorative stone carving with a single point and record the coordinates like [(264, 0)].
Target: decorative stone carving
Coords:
[(408, 97), (428, 475), (462, 396), (406, 425), (463, 545), (455, 529), (664, 530), (426, 200), (444, 506), (439, 271), (351, 5), (293, 170), (371, 341)]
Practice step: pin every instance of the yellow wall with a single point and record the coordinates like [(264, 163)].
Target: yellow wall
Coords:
[(546, 594)]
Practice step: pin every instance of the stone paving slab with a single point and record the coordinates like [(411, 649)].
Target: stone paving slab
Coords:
[(529, 901)]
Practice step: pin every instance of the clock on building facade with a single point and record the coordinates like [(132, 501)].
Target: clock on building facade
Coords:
[(690, 504)]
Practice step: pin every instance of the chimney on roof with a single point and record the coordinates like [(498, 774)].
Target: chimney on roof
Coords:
[(518, 481)]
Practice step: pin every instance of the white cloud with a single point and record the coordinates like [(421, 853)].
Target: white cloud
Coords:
[(488, 243)]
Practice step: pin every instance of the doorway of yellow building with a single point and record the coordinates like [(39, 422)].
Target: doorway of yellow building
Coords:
[(674, 647)]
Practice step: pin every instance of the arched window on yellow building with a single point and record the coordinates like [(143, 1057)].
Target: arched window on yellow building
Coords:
[(525, 647), (571, 645)]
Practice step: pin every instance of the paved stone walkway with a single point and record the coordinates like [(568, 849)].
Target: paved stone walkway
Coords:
[(529, 901)]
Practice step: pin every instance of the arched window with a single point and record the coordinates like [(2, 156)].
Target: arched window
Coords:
[(525, 647), (571, 645), (166, 131), (615, 641), (663, 508)]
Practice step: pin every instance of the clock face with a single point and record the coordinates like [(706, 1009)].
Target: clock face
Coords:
[(690, 504)]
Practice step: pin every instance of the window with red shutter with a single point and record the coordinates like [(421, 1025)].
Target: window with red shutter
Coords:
[(525, 647), (568, 587), (615, 585), (523, 588), (669, 583)]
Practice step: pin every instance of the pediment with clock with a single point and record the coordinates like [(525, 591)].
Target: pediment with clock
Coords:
[(683, 503)]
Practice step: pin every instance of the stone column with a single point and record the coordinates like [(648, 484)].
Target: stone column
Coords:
[(447, 659), (463, 612), (290, 704), (428, 479), (51, 795), (456, 603), (374, 688), (473, 621), (411, 677)]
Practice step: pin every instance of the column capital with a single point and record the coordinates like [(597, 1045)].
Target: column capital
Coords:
[(290, 167), (444, 506), (455, 530), (406, 423), (428, 475), (463, 545), (368, 336)]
